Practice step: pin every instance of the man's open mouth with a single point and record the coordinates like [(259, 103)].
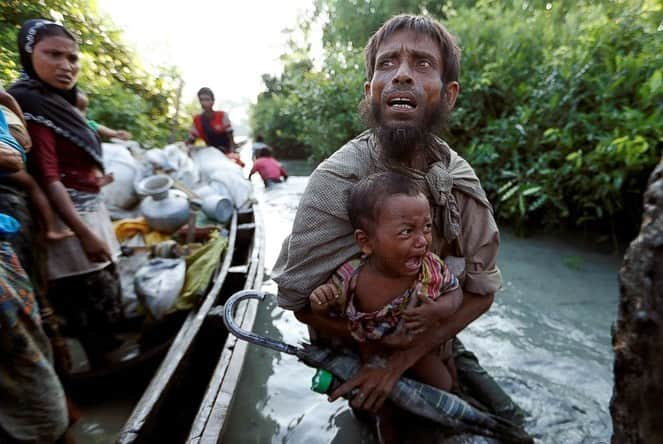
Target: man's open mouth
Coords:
[(402, 103)]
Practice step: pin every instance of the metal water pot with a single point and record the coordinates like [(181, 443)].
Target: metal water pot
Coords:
[(165, 210)]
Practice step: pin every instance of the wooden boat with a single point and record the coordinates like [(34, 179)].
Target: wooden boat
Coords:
[(203, 361)]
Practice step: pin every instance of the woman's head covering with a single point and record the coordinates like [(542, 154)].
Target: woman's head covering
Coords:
[(45, 104)]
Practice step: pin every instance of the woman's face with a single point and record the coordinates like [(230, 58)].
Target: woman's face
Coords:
[(56, 61)]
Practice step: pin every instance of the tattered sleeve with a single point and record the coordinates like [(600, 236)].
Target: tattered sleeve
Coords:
[(480, 241), (322, 237), (320, 241)]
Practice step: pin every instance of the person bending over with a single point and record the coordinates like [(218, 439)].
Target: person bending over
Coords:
[(270, 169)]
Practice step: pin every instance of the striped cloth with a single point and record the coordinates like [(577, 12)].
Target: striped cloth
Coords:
[(433, 281)]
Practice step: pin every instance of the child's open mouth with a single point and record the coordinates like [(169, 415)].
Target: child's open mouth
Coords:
[(413, 263)]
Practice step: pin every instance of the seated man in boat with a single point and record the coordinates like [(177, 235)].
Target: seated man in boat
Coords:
[(412, 66), (213, 127)]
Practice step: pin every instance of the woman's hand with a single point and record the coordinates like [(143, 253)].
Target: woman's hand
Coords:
[(95, 248)]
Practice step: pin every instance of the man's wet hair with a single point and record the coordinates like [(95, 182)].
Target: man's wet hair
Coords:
[(367, 197), (450, 51), (205, 91)]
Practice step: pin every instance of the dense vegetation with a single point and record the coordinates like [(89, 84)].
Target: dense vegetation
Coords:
[(560, 109), (122, 94)]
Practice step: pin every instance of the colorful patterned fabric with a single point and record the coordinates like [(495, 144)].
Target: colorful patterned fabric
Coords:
[(433, 281), (15, 289), (32, 402)]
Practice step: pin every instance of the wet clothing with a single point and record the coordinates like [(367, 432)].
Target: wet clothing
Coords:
[(434, 281), (269, 169), (215, 131), (32, 401), (322, 237)]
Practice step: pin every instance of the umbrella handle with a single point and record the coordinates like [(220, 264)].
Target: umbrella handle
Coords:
[(229, 320)]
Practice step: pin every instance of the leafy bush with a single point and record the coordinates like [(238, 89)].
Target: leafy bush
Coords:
[(122, 94), (560, 104)]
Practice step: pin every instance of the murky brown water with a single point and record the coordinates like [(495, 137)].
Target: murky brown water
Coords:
[(546, 340)]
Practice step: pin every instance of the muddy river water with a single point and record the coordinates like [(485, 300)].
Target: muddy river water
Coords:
[(546, 340)]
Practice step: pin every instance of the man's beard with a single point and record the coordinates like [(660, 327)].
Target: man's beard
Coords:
[(400, 143)]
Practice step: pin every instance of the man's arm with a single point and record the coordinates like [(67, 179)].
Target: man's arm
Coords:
[(375, 383)]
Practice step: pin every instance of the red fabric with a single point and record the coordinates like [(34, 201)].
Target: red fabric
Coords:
[(217, 124), (268, 168), (56, 158)]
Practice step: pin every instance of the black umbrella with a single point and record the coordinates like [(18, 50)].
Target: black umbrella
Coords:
[(443, 408)]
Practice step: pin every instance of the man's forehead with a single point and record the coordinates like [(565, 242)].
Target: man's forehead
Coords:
[(409, 41)]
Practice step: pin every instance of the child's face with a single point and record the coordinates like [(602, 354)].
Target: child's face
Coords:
[(402, 235)]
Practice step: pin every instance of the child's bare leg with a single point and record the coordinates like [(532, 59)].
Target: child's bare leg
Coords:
[(432, 371), (41, 204), (386, 426)]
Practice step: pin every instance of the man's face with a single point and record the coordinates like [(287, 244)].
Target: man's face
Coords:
[(406, 94), (206, 102)]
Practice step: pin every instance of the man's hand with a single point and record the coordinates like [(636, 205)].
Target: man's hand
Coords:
[(373, 383)]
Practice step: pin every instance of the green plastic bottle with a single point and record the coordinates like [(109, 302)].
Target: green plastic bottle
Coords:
[(322, 381)]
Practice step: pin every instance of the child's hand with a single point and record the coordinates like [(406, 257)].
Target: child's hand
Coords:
[(105, 179), (323, 298), (421, 318)]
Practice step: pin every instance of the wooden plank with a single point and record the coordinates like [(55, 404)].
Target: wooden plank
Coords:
[(210, 420), (159, 386)]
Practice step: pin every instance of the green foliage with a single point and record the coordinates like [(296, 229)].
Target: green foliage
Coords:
[(560, 108), (122, 94)]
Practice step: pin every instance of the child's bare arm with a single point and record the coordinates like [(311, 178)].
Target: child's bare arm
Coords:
[(41, 204)]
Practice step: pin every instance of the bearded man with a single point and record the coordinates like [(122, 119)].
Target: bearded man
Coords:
[(412, 66)]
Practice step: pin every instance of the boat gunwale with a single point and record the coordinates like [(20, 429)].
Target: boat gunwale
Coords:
[(209, 422), (163, 378)]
